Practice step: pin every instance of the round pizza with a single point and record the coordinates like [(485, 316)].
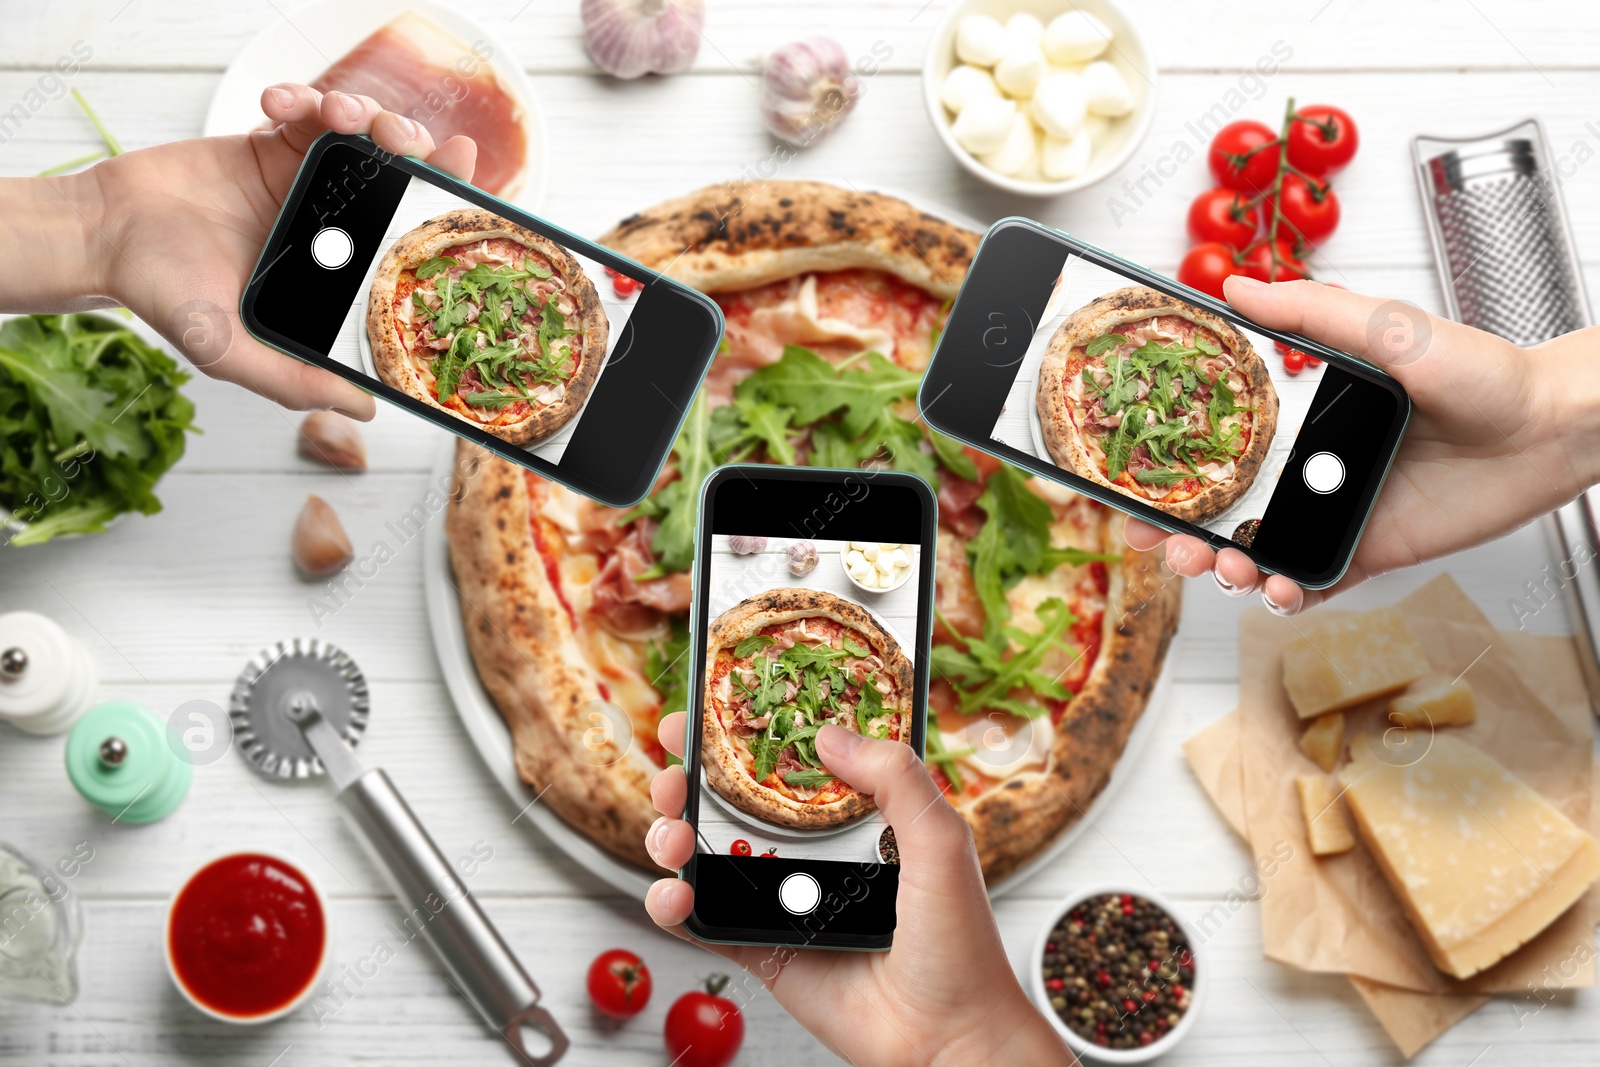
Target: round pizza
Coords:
[(780, 666), (1159, 399), (488, 321), (1051, 630)]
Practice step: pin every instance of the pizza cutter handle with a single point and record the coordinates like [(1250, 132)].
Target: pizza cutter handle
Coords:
[(438, 905)]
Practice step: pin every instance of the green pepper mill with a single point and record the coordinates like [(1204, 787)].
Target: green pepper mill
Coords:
[(119, 758)]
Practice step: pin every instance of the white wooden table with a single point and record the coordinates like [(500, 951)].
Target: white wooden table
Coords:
[(172, 606)]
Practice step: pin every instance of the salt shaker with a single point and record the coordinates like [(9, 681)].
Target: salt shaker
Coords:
[(47, 679)]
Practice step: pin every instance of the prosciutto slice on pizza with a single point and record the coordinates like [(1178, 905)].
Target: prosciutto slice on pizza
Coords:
[(489, 322), (1158, 399)]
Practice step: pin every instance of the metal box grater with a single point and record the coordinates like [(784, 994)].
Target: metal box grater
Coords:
[(1507, 264)]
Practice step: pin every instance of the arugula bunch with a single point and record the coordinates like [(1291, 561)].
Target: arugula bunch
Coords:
[(91, 417), (1171, 375), (820, 686)]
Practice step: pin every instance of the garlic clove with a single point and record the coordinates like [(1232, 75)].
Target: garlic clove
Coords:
[(802, 558), (983, 125), (807, 87), (320, 546), (1024, 27), (632, 38), (1065, 158), (1060, 104), (1075, 36), (1017, 150), (981, 40), (965, 83), (1107, 90), (1020, 70), (328, 437), (746, 544)]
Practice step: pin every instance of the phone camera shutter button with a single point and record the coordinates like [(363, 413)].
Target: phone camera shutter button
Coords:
[(799, 894), (1323, 472), (332, 248)]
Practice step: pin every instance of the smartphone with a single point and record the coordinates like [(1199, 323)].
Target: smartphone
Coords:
[(813, 604), (549, 350), (1163, 402)]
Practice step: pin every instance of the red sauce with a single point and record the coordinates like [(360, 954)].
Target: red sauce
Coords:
[(246, 935)]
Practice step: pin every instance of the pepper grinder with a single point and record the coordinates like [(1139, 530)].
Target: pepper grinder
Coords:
[(121, 759), (47, 679)]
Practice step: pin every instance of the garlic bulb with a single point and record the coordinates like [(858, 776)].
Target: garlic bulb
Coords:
[(631, 38), (802, 558), (807, 87), (746, 545), (320, 546), (328, 437)]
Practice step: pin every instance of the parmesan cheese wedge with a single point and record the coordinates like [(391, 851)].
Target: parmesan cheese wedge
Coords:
[(1326, 827), (1481, 862), (1323, 741), (1436, 700), (1346, 661)]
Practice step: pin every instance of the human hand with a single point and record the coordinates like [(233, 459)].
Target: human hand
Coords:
[(1499, 435), (944, 991), (177, 229)]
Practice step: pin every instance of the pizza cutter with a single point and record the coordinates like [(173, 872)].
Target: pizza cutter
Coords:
[(297, 710)]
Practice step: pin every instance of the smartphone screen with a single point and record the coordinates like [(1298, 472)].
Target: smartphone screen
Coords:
[(1163, 402), (813, 605), (550, 350)]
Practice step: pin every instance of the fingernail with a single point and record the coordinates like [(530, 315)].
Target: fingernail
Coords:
[(348, 106), (1284, 610), (410, 127), (280, 97), (1247, 281), (843, 742), (1178, 553), (1227, 586), (658, 829)]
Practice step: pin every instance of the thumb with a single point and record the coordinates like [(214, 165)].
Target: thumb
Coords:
[(1388, 333), (925, 826)]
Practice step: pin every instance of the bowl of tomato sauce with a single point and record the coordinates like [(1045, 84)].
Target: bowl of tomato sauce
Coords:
[(247, 937)]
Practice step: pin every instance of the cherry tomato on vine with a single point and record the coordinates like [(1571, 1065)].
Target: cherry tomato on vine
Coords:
[(1311, 210), (1321, 139), (1206, 266), (1258, 263), (1294, 361), (740, 847), (1241, 157), (619, 984), (770, 854), (704, 1029), (1225, 216)]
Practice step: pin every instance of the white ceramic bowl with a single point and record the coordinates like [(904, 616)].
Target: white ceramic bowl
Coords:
[(1127, 52), (1088, 1049), (905, 573), (322, 962)]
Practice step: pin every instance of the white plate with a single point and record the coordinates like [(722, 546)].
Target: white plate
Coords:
[(489, 733), (300, 44)]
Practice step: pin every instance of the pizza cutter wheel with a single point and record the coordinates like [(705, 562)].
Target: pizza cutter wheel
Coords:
[(297, 709)]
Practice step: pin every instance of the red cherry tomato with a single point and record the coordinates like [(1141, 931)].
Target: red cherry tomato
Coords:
[(1225, 216), (1205, 267), (624, 285), (1284, 351), (619, 984), (1312, 211), (1322, 139), (740, 847), (1294, 361), (704, 1029), (770, 854), (1240, 157), (1258, 263)]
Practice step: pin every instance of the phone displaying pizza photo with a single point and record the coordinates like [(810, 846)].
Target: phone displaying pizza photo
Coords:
[(813, 605), (551, 351), (1163, 402)]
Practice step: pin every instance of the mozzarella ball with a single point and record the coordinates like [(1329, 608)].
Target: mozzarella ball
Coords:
[(891, 544), (1107, 90), (870, 552), (966, 83), (900, 557), (980, 40), (862, 571), (854, 559), (1075, 36), (1064, 158), (983, 125), (1025, 28), (1020, 70), (1016, 152), (885, 563), (1060, 104)]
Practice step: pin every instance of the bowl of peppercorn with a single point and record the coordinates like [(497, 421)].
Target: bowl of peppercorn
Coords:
[(1114, 971)]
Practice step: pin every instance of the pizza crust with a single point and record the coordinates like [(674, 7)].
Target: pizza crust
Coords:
[(725, 771), (395, 365), (1065, 441)]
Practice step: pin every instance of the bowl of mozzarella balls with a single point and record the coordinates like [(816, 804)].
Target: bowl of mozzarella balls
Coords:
[(876, 567), (1039, 97)]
